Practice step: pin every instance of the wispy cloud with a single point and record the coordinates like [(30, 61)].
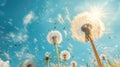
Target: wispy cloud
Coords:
[(18, 37), (28, 18), (23, 53)]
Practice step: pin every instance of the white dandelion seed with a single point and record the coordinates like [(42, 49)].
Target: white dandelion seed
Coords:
[(85, 18), (65, 55), (60, 18), (54, 36), (7, 55), (28, 63)]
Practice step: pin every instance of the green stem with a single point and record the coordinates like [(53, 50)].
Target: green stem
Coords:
[(57, 53), (48, 64), (65, 64)]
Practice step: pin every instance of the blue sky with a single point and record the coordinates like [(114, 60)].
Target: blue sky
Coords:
[(24, 38)]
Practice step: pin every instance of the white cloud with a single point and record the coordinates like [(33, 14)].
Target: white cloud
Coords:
[(4, 63), (12, 35), (19, 37), (28, 18), (23, 53), (22, 37), (30, 55), (53, 65)]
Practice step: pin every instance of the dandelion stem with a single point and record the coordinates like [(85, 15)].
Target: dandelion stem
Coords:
[(73, 65), (48, 65), (87, 29), (65, 64), (95, 52), (57, 53)]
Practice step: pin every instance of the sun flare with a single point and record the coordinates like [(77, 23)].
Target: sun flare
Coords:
[(97, 12)]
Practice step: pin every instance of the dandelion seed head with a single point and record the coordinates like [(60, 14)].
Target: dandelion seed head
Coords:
[(103, 57), (65, 55), (73, 64), (54, 36), (28, 63), (82, 19)]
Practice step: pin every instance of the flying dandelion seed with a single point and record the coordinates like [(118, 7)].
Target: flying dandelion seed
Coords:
[(73, 64), (28, 63), (85, 18), (7, 55), (60, 18), (83, 27), (55, 38)]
